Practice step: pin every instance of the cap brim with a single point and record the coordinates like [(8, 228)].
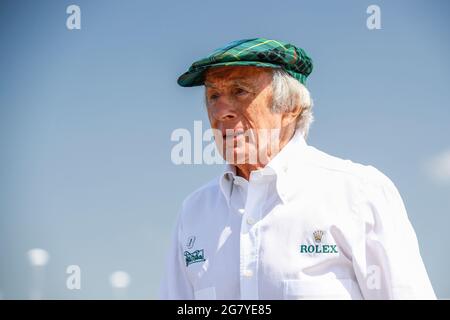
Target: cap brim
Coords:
[(197, 77)]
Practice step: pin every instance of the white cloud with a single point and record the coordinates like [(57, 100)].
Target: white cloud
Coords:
[(119, 279), (438, 167), (38, 257)]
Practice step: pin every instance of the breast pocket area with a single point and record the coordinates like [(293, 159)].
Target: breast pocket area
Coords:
[(321, 289)]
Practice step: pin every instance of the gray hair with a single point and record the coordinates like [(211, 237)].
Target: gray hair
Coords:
[(288, 93)]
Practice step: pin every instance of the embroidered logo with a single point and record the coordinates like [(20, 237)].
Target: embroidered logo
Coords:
[(193, 257), (190, 242), (318, 237)]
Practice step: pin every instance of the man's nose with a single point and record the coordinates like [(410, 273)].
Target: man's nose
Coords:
[(223, 110)]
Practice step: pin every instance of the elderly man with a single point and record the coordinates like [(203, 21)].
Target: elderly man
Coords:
[(292, 222)]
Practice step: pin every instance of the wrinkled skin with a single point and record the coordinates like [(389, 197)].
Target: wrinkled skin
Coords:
[(239, 98)]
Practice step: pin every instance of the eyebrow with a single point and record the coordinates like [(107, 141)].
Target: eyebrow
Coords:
[(242, 82), (209, 84)]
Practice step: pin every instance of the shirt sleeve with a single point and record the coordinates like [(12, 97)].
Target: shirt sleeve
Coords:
[(387, 259), (175, 284)]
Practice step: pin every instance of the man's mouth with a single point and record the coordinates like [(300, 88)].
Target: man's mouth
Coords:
[(230, 133)]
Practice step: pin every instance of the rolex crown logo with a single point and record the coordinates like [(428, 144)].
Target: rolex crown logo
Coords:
[(318, 234), (319, 247)]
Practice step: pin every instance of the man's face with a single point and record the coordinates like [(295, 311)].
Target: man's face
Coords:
[(239, 100)]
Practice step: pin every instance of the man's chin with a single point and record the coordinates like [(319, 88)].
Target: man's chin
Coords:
[(235, 156)]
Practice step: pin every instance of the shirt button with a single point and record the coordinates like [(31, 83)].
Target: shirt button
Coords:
[(241, 211), (248, 273), (251, 221)]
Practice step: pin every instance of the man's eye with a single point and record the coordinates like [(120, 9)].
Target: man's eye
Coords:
[(240, 91), (213, 96)]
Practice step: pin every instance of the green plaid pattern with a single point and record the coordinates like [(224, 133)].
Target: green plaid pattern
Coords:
[(258, 52)]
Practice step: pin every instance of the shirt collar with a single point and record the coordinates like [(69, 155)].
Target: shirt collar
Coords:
[(280, 165), (226, 181)]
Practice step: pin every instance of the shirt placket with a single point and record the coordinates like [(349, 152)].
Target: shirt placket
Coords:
[(250, 238)]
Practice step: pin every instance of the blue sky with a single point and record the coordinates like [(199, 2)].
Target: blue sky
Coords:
[(86, 117)]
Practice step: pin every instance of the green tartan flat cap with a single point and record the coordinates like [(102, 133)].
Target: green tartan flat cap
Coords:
[(258, 52)]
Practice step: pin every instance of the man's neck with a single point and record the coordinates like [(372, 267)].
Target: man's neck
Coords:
[(244, 170)]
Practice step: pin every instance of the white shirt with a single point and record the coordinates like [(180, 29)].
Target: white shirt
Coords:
[(306, 226)]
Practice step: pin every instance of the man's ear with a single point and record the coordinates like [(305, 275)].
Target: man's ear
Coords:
[(292, 116)]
